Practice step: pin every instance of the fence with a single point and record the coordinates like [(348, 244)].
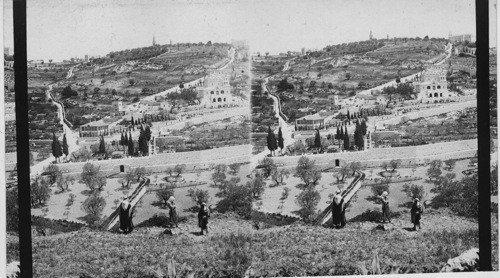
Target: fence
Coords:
[(111, 221), (347, 194)]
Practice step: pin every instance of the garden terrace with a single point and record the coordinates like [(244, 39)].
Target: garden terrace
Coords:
[(43, 120), (263, 114)]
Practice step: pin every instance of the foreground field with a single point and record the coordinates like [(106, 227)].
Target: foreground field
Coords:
[(232, 247)]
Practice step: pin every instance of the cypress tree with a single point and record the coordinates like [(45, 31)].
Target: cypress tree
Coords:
[(341, 136), (131, 150), (280, 139), (358, 137), (271, 140), (363, 128), (65, 145), (56, 147), (122, 140), (132, 121), (147, 133), (317, 140), (337, 135), (102, 146), (125, 140), (346, 140)]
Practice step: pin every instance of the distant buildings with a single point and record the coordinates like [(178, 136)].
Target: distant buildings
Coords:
[(94, 129), (310, 122), (460, 38)]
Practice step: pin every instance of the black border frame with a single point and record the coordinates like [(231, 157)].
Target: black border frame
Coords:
[(22, 129), (22, 138), (483, 126)]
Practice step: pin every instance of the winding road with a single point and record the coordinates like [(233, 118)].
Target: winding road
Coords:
[(71, 137)]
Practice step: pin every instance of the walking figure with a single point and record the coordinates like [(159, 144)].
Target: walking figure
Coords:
[(338, 210), (386, 213), (172, 211), (416, 214), (126, 216), (203, 216)]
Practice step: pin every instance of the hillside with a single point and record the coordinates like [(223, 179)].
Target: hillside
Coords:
[(233, 245)]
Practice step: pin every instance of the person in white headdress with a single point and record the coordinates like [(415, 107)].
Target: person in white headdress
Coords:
[(386, 213), (125, 215), (172, 211), (338, 210)]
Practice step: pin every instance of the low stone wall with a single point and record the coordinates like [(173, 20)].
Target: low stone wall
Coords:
[(158, 163), (411, 155)]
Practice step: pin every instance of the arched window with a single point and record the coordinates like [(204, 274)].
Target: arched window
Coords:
[(435, 94), (439, 87), (222, 91), (428, 87), (219, 100), (217, 92), (213, 100), (224, 99), (434, 87), (430, 95), (441, 94), (212, 92)]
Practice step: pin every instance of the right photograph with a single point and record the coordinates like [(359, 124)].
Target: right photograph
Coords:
[(365, 122)]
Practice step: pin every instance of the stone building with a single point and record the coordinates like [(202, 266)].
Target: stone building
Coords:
[(460, 38), (431, 85), (217, 91)]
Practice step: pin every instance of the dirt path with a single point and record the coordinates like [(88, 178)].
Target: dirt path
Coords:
[(71, 138)]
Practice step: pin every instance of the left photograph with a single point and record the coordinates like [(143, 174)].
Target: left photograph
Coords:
[(133, 109)]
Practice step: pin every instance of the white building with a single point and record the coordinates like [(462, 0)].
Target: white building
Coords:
[(432, 85), (217, 91)]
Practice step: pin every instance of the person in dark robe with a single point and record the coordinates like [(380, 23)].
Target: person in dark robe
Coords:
[(203, 216), (125, 221), (386, 213), (338, 210), (416, 214), (172, 211)]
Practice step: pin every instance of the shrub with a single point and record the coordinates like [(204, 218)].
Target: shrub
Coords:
[(308, 200), (414, 190), (199, 195), (237, 198), (12, 207), (235, 256), (164, 193), (93, 206), (460, 196), (40, 191), (92, 177), (373, 216), (379, 188)]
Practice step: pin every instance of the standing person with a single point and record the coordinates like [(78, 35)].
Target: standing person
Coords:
[(125, 207), (338, 210), (203, 216), (172, 211), (416, 214), (386, 213)]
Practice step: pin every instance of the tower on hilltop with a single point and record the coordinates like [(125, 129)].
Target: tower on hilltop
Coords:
[(371, 35), (154, 41)]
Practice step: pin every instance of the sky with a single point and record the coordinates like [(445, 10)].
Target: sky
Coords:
[(61, 29)]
